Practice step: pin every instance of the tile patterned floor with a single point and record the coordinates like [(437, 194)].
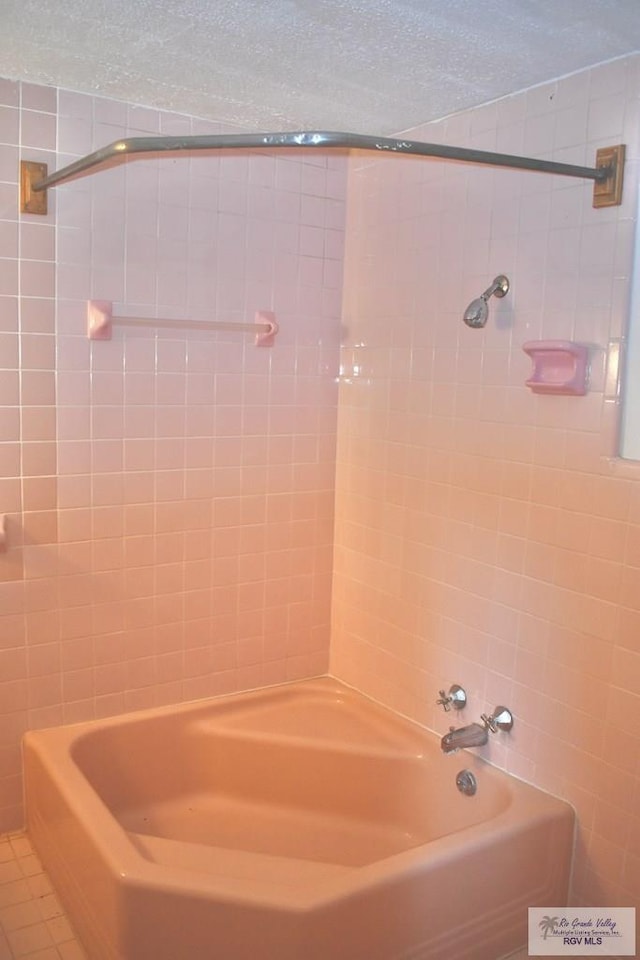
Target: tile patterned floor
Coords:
[(33, 925)]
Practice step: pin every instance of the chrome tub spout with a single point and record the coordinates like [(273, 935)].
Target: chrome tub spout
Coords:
[(476, 734), (473, 735)]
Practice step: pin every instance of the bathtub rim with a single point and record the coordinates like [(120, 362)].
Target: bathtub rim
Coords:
[(126, 860)]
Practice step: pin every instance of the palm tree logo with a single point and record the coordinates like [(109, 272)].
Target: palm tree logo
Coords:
[(548, 925)]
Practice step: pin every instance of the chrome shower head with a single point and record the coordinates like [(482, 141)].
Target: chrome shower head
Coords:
[(477, 312)]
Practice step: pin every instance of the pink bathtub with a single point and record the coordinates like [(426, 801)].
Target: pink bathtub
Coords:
[(300, 822)]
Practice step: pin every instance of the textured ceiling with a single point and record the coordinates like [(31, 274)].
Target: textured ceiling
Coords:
[(369, 66)]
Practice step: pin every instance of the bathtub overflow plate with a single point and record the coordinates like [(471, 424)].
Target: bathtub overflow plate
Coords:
[(466, 783)]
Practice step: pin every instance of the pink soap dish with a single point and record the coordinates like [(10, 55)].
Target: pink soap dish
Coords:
[(559, 367)]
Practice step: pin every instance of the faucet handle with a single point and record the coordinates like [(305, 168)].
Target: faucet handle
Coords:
[(444, 701), (500, 719), (456, 698)]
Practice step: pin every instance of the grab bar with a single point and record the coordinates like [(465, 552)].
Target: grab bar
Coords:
[(100, 321)]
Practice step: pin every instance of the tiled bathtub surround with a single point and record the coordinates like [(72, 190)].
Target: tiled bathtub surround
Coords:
[(481, 536), (170, 494)]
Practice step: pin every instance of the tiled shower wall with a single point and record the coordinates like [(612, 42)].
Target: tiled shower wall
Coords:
[(482, 534), (169, 494)]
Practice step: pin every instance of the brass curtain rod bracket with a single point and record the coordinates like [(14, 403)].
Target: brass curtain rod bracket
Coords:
[(607, 192), (607, 174), (33, 199)]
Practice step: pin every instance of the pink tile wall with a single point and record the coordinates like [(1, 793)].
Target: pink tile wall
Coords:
[(482, 534), (170, 496), (27, 430), (169, 493)]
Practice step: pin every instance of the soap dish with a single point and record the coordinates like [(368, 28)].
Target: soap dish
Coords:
[(559, 367)]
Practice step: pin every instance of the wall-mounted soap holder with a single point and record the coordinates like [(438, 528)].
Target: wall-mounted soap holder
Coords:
[(559, 367)]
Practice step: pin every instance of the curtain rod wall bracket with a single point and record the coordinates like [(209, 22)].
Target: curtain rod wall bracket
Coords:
[(607, 174), (608, 191), (32, 198)]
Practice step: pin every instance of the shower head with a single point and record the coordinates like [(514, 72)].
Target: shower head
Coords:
[(477, 312)]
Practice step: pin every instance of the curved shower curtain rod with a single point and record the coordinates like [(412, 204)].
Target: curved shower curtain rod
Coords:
[(607, 173)]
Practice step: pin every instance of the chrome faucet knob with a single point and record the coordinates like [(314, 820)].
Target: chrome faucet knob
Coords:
[(456, 698), (444, 701), (500, 719), (489, 722)]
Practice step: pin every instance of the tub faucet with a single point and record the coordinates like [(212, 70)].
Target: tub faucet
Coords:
[(473, 735), (476, 734)]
